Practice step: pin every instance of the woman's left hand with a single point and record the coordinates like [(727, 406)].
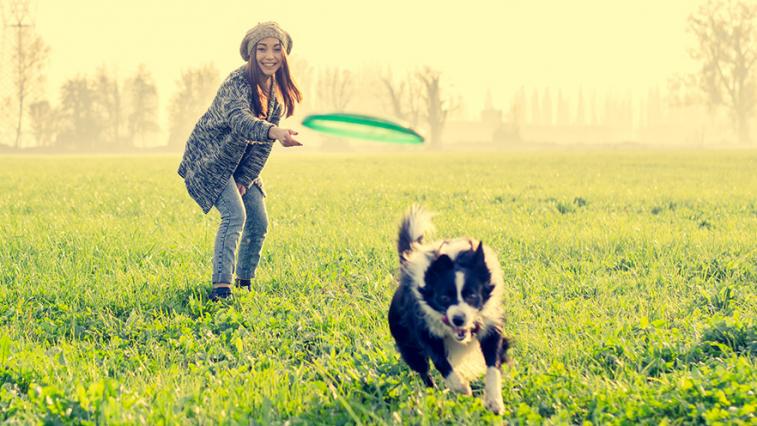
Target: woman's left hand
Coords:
[(242, 189), (284, 136)]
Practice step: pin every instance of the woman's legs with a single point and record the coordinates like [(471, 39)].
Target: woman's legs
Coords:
[(255, 229), (233, 217)]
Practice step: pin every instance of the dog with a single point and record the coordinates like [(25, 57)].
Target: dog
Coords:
[(448, 308)]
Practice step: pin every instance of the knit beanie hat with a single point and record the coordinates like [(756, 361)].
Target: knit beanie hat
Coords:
[(259, 32)]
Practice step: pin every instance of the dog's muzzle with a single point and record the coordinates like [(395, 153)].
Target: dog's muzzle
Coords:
[(461, 333)]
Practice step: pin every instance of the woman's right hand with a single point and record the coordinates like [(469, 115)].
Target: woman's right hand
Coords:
[(285, 136)]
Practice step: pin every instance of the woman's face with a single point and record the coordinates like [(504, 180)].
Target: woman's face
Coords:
[(268, 55)]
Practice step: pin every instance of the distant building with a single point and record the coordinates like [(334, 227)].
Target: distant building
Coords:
[(617, 119), (492, 128)]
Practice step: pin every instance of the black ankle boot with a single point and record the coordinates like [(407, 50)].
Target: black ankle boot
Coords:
[(219, 293), (244, 284)]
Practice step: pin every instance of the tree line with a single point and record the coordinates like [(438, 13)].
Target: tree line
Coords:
[(101, 111)]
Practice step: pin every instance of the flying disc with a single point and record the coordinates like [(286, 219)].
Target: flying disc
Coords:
[(361, 127)]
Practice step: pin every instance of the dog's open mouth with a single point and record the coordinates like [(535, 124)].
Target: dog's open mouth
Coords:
[(462, 333)]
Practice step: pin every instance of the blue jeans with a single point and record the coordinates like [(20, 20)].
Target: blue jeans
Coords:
[(243, 216)]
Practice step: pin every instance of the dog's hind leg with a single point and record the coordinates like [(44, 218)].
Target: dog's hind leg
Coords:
[(494, 348)]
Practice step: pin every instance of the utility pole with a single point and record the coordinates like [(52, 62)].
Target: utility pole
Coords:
[(29, 53), (19, 26)]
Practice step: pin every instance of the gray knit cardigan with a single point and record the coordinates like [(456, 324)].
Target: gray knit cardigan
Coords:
[(228, 140)]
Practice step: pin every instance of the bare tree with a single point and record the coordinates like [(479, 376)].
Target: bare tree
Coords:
[(535, 108), (727, 50), (303, 75), (108, 99), (546, 108), (5, 108), (563, 110), (28, 55), (81, 125), (683, 91), (435, 105), (43, 122), (418, 100), (580, 109), (195, 93), (335, 88), (404, 97), (143, 106)]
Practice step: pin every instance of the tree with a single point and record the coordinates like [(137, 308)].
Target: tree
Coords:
[(727, 51), (580, 109), (546, 109), (43, 122), (335, 88), (610, 116), (418, 99), (81, 123), (195, 93), (654, 107), (404, 96), (5, 108), (303, 75), (142, 98), (28, 55), (519, 108), (108, 101), (563, 110), (683, 91), (435, 105), (535, 109)]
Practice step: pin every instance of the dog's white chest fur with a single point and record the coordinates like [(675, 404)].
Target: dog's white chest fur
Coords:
[(465, 358)]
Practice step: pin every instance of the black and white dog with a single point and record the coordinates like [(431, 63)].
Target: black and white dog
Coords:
[(448, 307)]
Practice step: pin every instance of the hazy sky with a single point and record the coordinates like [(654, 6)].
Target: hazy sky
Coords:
[(477, 44)]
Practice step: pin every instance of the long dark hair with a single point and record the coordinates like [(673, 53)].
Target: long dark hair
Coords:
[(286, 90)]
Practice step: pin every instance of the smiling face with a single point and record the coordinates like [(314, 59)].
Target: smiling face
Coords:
[(458, 290), (268, 55)]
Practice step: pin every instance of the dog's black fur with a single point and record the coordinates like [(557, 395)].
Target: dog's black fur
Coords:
[(447, 308)]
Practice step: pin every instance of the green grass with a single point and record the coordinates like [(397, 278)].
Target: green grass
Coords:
[(630, 296)]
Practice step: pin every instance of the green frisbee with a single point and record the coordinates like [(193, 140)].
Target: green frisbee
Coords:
[(362, 127)]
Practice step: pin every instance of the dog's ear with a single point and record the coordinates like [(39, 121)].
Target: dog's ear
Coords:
[(479, 257), (480, 266), (440, 265)]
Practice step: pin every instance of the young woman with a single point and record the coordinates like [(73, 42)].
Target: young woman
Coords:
[(229, 146)]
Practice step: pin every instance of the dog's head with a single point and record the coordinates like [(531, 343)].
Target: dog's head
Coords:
[(458, 289)]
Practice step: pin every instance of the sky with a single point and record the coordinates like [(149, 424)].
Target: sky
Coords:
[(478, 46)]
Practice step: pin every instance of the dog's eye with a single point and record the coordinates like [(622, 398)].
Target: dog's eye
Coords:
[(473, 299), (444, 299)]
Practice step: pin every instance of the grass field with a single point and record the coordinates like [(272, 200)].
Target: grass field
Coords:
[(631, 290)]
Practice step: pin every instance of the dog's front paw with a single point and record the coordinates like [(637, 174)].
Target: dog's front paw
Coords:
[(493, 391), (456, 383), (494, 403)]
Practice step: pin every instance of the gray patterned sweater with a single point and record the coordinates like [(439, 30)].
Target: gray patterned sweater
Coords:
[(228, 140)]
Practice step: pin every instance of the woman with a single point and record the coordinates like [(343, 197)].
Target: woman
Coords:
[(230, 145)]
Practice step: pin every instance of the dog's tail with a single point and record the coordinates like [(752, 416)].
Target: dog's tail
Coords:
[(414, 226)]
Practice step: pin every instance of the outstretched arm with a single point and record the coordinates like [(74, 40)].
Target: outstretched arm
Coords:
[(243, 122)]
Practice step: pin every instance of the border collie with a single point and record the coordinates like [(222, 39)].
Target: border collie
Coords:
[(448, 307)]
